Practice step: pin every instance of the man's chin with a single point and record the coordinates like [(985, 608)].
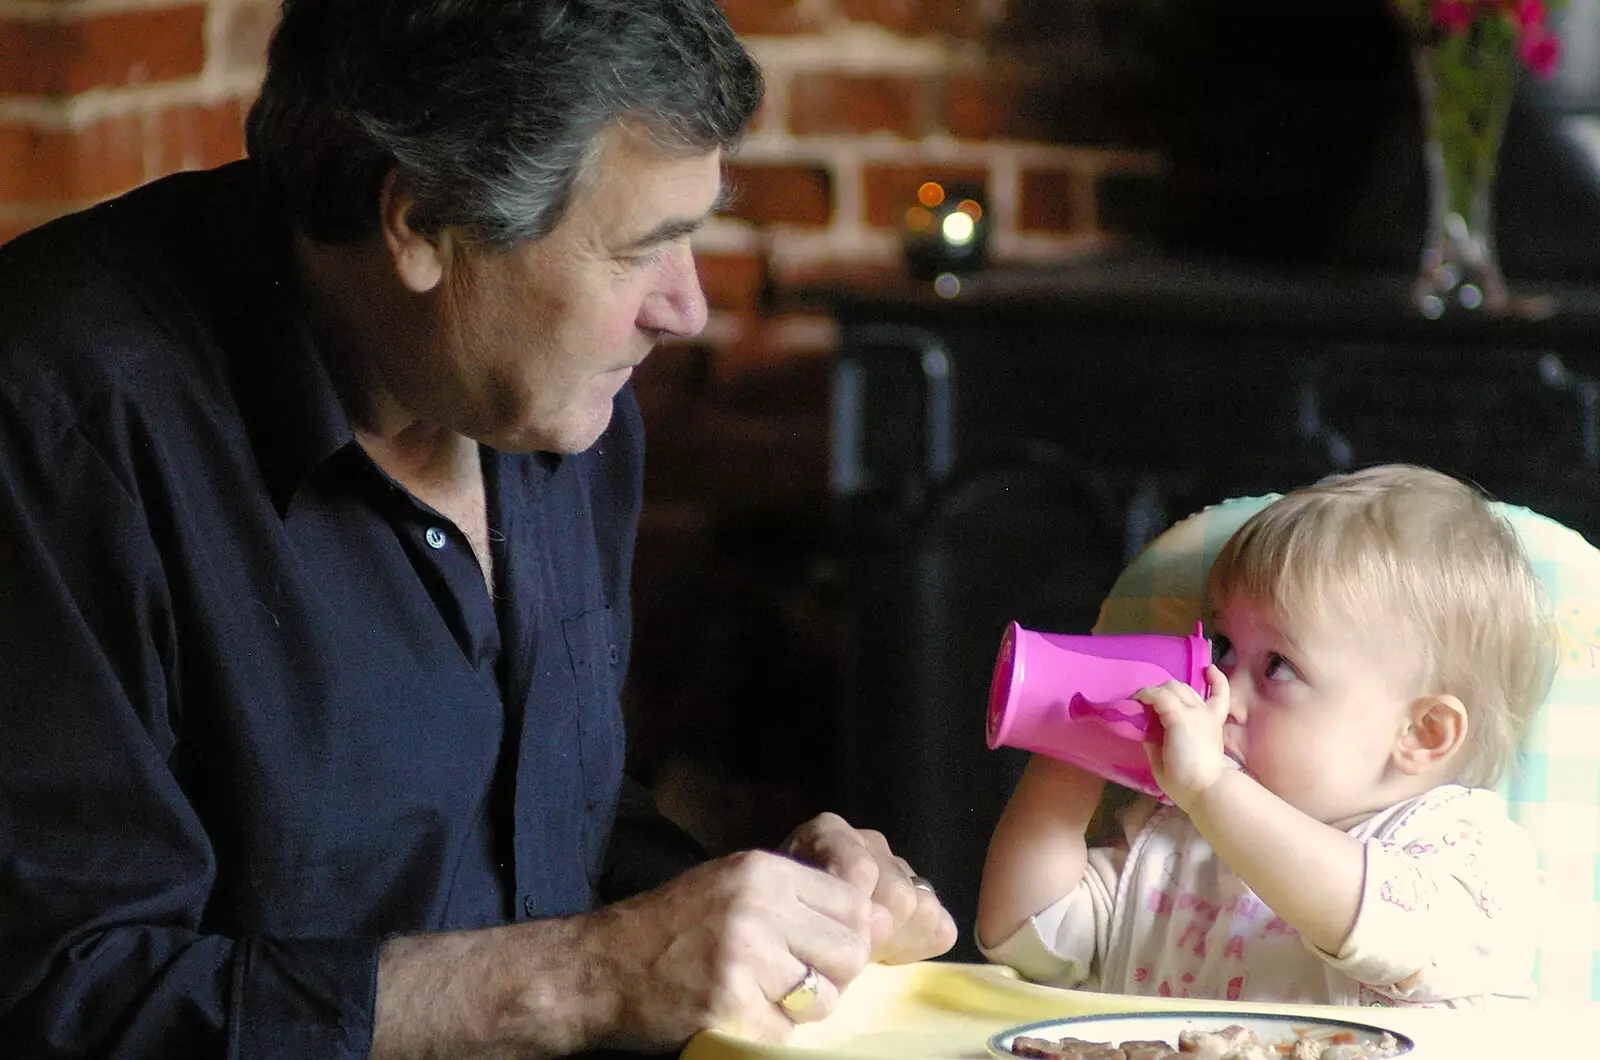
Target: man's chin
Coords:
[(574, 435)]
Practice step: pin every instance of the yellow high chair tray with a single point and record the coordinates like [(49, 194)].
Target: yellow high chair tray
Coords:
[(943, 1011)]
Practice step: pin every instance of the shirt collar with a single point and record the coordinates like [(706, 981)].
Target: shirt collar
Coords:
[(285, 394), (287, 398)]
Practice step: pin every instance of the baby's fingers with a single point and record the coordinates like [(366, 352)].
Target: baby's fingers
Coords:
[(1217, 692), (1169, 698)]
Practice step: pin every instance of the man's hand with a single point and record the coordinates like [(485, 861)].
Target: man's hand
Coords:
[(908, 921), (720, 946), (717, 947), (1187, 757)]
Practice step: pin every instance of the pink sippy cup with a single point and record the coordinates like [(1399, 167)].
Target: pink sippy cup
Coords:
[(1066, 696)]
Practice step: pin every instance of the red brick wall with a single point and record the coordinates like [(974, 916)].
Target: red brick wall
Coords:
[(867, 99), (99, 96)]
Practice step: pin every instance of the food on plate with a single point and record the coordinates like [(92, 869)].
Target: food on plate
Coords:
[(1227, 1043)]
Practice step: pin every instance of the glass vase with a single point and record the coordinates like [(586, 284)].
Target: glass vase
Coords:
[(1465, 82)]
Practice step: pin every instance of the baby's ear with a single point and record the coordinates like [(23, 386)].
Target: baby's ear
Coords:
[(1437, 729)]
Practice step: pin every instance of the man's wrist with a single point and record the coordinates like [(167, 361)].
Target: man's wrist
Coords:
[(593, 953), (522, 989), (565, 997)]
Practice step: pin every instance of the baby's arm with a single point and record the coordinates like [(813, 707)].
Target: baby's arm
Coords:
[(1037, 854), (1307, 872), (1448, 912)]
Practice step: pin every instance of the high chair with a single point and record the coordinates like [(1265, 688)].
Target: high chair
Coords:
[(1554, 791)]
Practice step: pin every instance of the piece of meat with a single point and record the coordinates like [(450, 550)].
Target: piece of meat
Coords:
[(1078, 1049), (1229, 1043), (1306, 1049), (1384, 1047), (1065, 1049), (1216, 1045)]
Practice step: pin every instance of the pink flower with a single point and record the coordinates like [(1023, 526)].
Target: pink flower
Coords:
[(1529, 15), (1454, 16), (1540, 51)]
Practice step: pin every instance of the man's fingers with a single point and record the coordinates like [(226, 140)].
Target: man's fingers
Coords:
[(788, 1000), (838, 952), (906, 922), (896, 894), (830, 926), (863, 860), (837, 900), (806, 996), (927, 932), (829, 843)]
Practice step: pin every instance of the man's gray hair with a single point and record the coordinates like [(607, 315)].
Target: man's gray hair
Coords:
[(490, 110)]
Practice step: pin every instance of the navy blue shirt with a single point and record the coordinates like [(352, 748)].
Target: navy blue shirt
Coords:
[(258, 709)]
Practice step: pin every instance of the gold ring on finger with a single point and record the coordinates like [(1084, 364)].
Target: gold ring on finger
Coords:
[(798, 1001)]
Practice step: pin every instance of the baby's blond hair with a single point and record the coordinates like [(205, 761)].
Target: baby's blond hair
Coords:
[(1407, 551)]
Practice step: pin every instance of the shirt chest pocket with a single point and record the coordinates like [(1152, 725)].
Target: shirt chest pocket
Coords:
[(595, 656)]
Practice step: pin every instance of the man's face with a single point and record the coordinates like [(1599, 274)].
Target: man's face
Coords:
[(537, 340)]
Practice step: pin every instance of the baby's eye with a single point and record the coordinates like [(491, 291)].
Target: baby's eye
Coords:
[(1221, 651), (1280, 669)]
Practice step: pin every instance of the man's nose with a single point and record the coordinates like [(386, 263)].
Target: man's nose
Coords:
[(678, 306)]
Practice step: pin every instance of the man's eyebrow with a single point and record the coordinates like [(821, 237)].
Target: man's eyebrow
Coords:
[(677, 227)]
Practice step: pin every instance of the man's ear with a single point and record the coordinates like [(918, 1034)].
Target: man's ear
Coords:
[(418, 260), (1436, 731)]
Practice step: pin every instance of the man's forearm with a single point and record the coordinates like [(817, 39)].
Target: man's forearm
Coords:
[(523, 990)]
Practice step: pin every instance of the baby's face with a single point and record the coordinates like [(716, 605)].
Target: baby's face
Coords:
[(1315, 711)]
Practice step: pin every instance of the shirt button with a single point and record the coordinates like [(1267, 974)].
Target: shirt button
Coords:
[(529, 906), (435, 537)]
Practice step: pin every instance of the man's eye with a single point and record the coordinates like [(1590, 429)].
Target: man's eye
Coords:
[(1279, 668), (1221, 651), (644, 260)]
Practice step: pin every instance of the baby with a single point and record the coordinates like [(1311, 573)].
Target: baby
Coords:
[(1380, 644)]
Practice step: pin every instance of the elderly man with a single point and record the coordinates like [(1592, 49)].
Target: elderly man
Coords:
[(319, 477)]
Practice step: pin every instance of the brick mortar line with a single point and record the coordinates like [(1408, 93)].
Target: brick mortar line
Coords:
[(796, 251), (1004, 192), (860, 49), (38, 211), (76, 10), (85, 109), (880, 149)]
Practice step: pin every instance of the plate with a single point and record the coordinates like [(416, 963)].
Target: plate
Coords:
[(1164, 1027)]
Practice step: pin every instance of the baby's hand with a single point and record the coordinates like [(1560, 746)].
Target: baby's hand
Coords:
[(1186, 755)]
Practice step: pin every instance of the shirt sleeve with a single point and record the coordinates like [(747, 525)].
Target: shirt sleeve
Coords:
[(646, 849), (1064, 943), (1447, 905), (106, 869)]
